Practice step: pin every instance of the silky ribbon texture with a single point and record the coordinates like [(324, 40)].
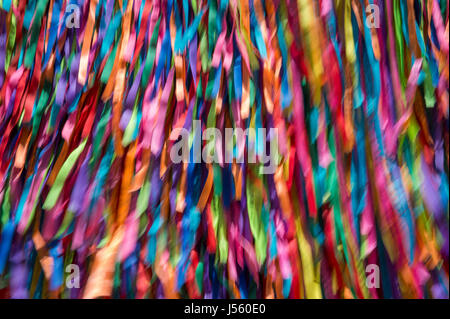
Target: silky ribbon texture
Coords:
[(332, 184)]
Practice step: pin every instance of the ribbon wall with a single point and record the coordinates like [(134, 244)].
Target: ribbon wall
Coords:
[(91, 204)]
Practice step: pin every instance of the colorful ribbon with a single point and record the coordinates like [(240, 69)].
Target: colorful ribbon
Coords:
[(94, 95)]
